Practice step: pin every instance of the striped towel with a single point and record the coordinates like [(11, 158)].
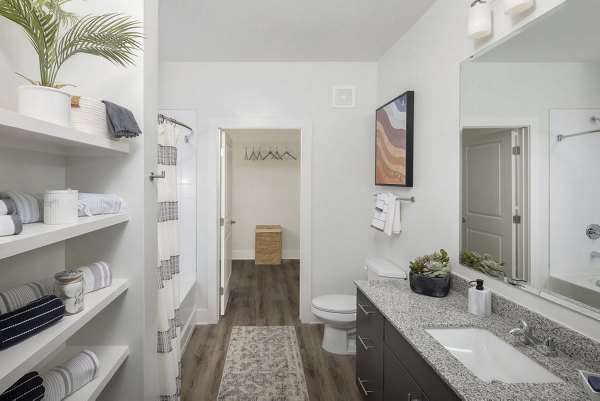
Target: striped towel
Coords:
[(18, 297), (30, 207), (27, 388), (96, 276), (95, 204), (10, 224), (69, 377), (7, 206), (23, 323)]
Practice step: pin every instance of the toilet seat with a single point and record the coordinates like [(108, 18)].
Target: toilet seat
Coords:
[(335, 303)]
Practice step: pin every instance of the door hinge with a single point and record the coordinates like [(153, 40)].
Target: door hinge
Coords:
[(222, 291), (222, 221), (516, 150), (517, 219)]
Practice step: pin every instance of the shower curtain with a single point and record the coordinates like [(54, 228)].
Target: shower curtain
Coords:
[(168, 322)]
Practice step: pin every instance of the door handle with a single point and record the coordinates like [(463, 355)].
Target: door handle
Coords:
[(366, 312), (362, 386), (154, 176), (362, 342)]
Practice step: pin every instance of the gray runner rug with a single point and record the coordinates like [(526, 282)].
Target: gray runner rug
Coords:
[(263, 364)]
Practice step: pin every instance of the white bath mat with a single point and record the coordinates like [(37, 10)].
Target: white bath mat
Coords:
[(263, 364)]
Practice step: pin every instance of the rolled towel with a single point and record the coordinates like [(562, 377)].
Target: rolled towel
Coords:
[(30, 207), (7, 206), (10, 225), (23, 323), (94, 204), (17, 297), (96, 276), (27, 388), (64, 380), (121, 122)]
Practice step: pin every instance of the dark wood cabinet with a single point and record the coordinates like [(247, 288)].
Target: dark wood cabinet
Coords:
[(388, 368)]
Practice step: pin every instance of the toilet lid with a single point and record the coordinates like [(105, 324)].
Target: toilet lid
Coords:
[(335, 303)]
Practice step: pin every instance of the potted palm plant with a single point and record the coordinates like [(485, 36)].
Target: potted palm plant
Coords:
[(57, 35), (430, 274)]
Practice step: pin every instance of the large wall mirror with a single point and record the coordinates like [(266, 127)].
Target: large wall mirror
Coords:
[(530, 158)]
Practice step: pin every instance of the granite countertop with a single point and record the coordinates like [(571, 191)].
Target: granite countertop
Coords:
[(412, 313)]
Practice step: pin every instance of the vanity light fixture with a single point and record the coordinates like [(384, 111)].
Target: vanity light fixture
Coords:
[(513, 7), (480, 20)]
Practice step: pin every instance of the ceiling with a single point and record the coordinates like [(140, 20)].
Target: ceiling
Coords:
[(276, 30), (570, 34)]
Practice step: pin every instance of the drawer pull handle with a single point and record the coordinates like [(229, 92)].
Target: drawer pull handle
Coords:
[(366, 312), (362, 342), (411, 399), (362, 386)]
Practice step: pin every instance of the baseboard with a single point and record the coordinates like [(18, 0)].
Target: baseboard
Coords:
[(249, 254), (202, 317)]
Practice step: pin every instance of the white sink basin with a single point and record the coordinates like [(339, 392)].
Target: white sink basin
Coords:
[(490, 358)]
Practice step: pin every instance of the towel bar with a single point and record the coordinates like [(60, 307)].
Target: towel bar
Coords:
[(153, 176), (411, 199)]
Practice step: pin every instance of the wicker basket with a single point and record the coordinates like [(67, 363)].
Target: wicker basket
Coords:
[(89, 116), (267, 247)]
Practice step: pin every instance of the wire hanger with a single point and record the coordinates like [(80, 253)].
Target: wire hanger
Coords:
[(269, 154), (286, 153), (246, 155)]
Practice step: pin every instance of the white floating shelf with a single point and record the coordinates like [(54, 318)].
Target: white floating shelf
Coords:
[(22, 132), (37, 235), (21, 358), (111, 358)]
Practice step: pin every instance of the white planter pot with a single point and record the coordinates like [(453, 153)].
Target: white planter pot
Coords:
[(44, 103)]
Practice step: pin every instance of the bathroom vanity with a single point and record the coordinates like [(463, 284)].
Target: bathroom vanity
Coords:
[(397, 358)]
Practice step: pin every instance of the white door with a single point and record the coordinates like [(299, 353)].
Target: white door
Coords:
[(487, 215), (226, 220)]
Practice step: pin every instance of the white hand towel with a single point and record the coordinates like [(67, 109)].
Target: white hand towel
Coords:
[(397, 226), (380, 215), (391, 209)]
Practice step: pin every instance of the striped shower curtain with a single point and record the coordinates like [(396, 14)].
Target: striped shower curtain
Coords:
[(168, 322)]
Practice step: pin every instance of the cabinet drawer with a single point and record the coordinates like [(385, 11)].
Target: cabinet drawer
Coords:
[(433, 385), (369, 372), (398, 383), (369, 321)]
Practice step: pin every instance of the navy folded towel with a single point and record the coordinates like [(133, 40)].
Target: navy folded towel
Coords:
[(594, 382), (24, 322), (121, 122), (28, 388)]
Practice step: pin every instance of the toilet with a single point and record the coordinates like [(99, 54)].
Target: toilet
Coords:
[(338, 311)]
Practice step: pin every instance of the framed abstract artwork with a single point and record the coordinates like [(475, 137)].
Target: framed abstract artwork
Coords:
[(394, 142)]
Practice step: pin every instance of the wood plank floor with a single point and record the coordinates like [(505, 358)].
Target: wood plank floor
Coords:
[(265, 296)]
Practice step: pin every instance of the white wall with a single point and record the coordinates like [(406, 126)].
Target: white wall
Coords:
[(343, 148), (427, 60), (265, 192)]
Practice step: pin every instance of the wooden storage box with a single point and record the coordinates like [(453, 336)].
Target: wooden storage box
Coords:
[(267, 246)]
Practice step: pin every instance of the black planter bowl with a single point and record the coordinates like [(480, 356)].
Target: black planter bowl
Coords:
[(431, 286)]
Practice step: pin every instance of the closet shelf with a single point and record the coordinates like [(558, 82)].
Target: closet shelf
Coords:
[(22, 132), (25, 356), (37, 235), (111, 358)]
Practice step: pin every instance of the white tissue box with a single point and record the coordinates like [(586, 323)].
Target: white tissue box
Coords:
[(61, 207), (583, 376)]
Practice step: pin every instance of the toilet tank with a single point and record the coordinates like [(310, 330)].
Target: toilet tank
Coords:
[(383, 269)]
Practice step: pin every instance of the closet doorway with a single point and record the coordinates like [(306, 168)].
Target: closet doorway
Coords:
[(260, 207), (262, 171)]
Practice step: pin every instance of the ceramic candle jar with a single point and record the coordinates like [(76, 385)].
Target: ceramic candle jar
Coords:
[(69, 288)]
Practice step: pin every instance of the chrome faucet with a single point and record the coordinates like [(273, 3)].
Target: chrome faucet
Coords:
[(523, 333)]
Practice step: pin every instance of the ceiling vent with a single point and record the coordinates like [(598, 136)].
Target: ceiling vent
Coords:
[(344, 96)]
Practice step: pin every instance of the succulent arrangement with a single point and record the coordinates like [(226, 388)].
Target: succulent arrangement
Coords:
[(434, 265), (483, 263), (57, 35)]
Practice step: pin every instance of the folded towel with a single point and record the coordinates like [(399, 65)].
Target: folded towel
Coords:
[(18, 297), (23, 323), (10, 225), (94, 204), (121, 122), (27, 388), (381, 209), (594, 382), (30, 207), (64, 380), (96, 276), (7, 206)]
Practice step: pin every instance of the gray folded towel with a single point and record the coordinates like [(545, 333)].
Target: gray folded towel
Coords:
[(10, 225), (121, 122), (96, 276), (7, 206), (30, 207), (65, 379), (15, 298)]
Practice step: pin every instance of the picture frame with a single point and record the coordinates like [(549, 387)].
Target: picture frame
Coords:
[(394, 141)]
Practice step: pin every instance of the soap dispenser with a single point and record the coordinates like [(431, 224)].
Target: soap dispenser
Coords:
[(480, 299)]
